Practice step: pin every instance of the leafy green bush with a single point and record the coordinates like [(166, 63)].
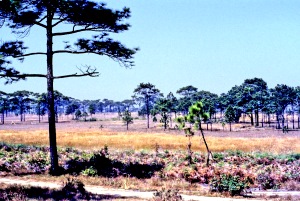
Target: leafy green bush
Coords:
[(218, 156), (228, 183), (91, 171)]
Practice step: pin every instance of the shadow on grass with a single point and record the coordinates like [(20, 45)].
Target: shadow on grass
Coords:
[(101, 165), (24, 193)]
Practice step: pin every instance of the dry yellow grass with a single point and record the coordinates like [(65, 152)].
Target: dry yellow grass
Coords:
[(96, 139)]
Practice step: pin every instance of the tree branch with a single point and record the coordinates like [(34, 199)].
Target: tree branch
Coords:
[(71, 52), (30, 54), (88, 72), (77, 31), (40, 24), (58, 22), (23, 75)]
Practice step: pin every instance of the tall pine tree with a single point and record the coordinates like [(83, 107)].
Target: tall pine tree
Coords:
[(61, 19)]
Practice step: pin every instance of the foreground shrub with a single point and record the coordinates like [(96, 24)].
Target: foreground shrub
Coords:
[(228, 183), (91, 171), (13, 193), (74, 188), (267, 181)]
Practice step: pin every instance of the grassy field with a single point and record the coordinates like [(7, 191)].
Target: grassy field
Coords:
[(96, 139), (111, 132), (250, 152)]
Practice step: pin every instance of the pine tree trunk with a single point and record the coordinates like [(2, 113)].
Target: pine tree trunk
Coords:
[(4, 110), (293, 121), (21, 116), (50, 93), (262, 120), (56, 114), (148, 112), (207, 149), (3, 117), (278, 123), (256, 118)]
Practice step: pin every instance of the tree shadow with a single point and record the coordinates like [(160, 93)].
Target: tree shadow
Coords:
[(37, 193), (103, 166)]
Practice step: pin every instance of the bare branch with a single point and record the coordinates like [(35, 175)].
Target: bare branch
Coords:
[(40, 24), (91, 72), (42, 19), (59, 21)]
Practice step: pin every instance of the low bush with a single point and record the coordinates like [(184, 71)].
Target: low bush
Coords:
[(228, 183), (167, 195), (92, 119)]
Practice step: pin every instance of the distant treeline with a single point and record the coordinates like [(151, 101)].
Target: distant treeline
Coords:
[(252, 99)]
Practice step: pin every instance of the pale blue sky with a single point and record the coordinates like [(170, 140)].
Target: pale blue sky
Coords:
[(210, 44)]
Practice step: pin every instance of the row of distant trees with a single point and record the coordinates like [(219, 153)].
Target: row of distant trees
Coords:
[(26, 102), (252, 99)]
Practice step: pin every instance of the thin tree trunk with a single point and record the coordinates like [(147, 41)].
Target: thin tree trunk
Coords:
[(148, 117), (293, 121), (256, 118), (56, 114), (50, 90), (207, 149), (189, 151), (278, 123), (4, 110), (3, 117), (148, 112)]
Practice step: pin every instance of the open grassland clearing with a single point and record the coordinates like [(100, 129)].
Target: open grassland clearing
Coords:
[(111, 132), (96, 139), (104, 153)]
